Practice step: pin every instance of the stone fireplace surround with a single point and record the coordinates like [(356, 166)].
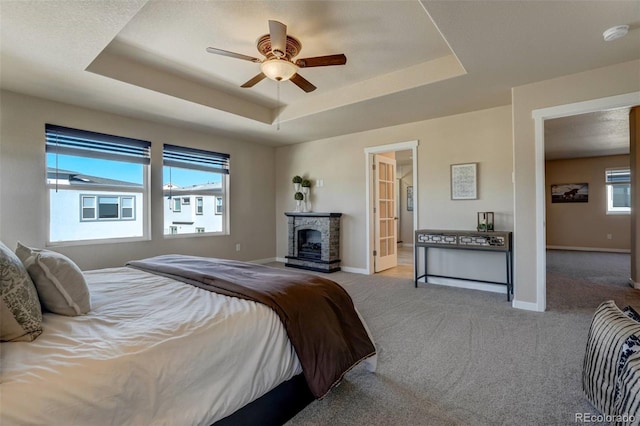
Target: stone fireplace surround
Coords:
[(328, 225)]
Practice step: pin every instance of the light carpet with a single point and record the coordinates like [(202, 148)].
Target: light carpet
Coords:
[(450, 356)]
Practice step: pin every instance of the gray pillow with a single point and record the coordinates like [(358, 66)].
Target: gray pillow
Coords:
[(61, 285), (20, 312)]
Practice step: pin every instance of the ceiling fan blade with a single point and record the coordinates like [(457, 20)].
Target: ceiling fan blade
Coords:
[(302, 83), (322, 61), (278, 37), (257, 79), (232, 54)]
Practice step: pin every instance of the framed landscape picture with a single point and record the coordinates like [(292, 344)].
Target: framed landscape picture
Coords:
[(570, 193)]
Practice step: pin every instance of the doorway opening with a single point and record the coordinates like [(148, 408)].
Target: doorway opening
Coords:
[(588, 221), (392, 208), (540, 116)]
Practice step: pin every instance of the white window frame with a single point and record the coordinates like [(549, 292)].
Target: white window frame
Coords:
[(206, 161), (176, 204), (199, 206), (611, 209), (137, 151)]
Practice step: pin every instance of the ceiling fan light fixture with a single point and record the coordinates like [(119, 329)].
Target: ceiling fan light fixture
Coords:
[(616, 32), (278, 69)]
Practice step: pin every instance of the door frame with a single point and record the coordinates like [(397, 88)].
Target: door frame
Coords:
[(539, 116), (369, 152)]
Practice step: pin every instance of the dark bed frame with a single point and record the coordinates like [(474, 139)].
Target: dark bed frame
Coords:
[(274, 408)]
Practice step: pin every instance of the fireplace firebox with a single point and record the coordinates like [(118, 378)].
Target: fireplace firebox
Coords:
[(314, 241), (309, 244)]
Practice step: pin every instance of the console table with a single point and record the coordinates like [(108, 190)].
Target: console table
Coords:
[(492, 241)]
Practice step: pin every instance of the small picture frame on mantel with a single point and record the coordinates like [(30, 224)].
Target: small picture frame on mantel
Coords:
[(464, 181)]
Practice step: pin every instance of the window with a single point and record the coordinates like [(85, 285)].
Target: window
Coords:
[(177, 205), (618, 182), (186, 201), (173, 230), (219, 205), (97, 186), (88, 207), (203, 175), (112, 207), (127, 207)]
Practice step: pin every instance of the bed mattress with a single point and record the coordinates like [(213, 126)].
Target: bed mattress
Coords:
[(152, 350)]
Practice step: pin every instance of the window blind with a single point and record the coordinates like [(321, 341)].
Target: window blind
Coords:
[(198, 159), (83, 143), (618, 176)]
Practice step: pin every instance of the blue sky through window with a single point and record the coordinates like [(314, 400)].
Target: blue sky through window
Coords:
[(185, 177), (129, 172)]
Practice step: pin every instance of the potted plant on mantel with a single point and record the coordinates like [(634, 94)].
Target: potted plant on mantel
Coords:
[(297, 180), (306, 184), (298, 196)]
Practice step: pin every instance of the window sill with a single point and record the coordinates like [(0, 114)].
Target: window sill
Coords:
[(95, 242), (195, 234)]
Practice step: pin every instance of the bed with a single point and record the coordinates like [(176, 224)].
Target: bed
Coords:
[(155, 350)]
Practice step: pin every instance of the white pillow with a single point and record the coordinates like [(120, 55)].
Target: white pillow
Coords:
[(61, 286)]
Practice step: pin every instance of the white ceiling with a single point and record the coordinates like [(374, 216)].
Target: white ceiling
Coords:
[(587, 135), (407, 60)]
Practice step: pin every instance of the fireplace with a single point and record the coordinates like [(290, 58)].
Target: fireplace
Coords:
[(309, 244), (314, 241)]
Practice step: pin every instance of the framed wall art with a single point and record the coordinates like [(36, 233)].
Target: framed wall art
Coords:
[(570, 193), (409, 198), (464, 181)]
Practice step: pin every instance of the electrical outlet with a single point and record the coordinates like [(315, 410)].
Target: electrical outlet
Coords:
[(609, 237), (238, 247)]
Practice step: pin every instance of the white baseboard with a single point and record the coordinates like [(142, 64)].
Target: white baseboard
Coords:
[(634, 284), (472, 285), (354, 270), (281, 259), (407, 245), (606, 250), (527, 306)]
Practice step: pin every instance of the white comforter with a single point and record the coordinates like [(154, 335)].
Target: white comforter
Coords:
[(151, 351)]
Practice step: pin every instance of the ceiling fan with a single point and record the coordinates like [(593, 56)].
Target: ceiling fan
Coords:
[(278, 50)]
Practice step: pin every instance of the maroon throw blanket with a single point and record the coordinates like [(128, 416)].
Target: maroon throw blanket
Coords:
[(317, 313)]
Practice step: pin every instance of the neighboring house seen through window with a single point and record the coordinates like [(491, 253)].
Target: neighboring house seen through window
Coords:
[(198, 175), (112, 207), (219, 205), (97, 185), (618, 182)]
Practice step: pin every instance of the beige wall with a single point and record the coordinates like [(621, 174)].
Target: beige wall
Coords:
[(23, 205), (481, 136), (405, 175), (595, 84), (585, 225)]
